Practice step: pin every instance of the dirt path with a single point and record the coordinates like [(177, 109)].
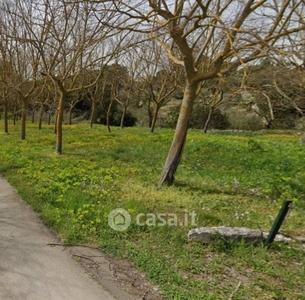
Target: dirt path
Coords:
[(31, 269)]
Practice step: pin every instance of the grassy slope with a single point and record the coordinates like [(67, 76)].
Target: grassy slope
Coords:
[(228, 179)]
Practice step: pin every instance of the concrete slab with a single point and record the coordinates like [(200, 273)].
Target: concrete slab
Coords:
[(29, 268)]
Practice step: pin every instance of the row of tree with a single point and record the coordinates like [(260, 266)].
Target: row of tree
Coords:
[(59, 52), (273, 95)]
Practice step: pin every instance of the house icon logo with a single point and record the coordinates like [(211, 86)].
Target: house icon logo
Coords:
[(119, 219)]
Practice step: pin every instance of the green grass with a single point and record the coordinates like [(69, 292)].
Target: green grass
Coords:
[(228, 179)]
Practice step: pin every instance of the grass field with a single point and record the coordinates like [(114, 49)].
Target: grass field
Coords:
[(228, 179)]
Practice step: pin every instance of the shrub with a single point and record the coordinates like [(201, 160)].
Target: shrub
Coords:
[(219, 120)]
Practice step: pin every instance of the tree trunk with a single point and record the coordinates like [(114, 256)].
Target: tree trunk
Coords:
[(5, 117), (208, 120), (123, 116), (55, 122), (15, 115), (108, 117), (23, 117), (175, 152), (40, 117), (59, 120), (70, 116), (33, 116), (93, 108), (271, 113), (49, 118), (150, 115), (154, 120)]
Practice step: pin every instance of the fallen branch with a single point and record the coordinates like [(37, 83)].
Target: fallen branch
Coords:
[(72, 245), (96, 265)]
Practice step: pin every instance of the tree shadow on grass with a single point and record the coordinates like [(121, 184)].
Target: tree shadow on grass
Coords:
[(207, 189)]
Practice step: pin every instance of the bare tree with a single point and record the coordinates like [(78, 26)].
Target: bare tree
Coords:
[(130, 61), (71, 38), (275, 92), (214, 100), (114, 84), (4, 93), (21, 56), (159, 78), (113, 91), (95, 95), (210, 39), (5, 106), (112, 81), (46, 100)]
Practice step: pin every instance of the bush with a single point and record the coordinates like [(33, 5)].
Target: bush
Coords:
[(240, 119), (115, 117), (285, 119), (200, 114), (219, 120), (129, 120)]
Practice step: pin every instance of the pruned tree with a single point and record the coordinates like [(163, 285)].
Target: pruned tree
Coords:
[(215, 99), (71, 38), (73, 100), (21, 57), (95, 95), (128, 90), (211, 39), (275, 92), (46, 101), (159, 78), (4, 93), (102, 95)]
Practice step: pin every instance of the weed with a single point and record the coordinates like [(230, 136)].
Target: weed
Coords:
[(229, 179)]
